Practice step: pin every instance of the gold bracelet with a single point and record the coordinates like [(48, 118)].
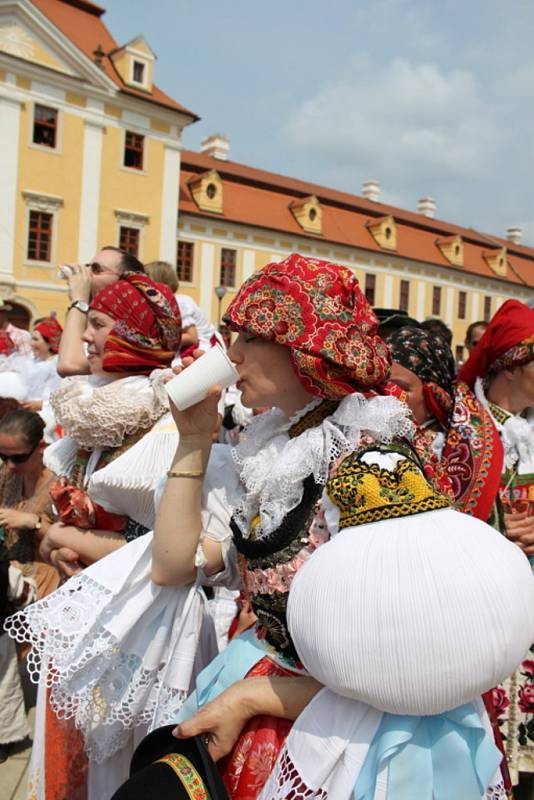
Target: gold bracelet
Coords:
[(193, 473)]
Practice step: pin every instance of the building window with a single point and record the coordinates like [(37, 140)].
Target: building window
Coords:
[(184, 261), (39, 236), (129, 240), (436, 300), (138, 72), (487, 309), (44, 126), (228, 267), (370, 288), (404, 295), (462, 302), (133, 150)]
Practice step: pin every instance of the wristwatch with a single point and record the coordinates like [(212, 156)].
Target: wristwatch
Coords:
[(81, 305), (37, 525)]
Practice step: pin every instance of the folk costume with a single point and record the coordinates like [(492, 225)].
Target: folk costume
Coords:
[(507, 343), (342, 473), (112, 652)]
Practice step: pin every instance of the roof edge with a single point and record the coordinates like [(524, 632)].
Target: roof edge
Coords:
[(87, 6)]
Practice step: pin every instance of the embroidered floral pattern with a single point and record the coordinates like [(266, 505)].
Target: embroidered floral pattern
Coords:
[(317, 309)]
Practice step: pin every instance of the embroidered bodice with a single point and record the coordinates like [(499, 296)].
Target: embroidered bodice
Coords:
[(374, 482)]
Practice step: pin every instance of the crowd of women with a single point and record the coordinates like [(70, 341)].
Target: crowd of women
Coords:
[(375, 521)]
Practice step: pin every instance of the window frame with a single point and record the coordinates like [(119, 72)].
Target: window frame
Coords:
[(223, 265), (131, 228), (44, 148), (436, 300), (39, 260), (370, 288), (187, 244), (487, 308), (136, 170), (404, 295), (462, 304)]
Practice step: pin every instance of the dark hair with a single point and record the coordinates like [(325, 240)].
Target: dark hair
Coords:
[(27, 424), (7, 404), (438, 328), (163, 272), (128, 262), (471, 329)]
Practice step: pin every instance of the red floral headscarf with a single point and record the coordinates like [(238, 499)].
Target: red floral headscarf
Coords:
[(148, 325), (508, 342), (51, 331), (317, 310)]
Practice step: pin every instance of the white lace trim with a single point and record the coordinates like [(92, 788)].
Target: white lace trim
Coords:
[(286, 783), (517, 433), (272, 467), (106, 691), (97, 415)]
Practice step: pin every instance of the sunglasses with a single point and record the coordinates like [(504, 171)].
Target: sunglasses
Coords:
[(17, 458), (98, 269)]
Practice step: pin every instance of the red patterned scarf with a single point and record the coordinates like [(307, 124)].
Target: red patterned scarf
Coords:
[(51, 331), (317, 310), (148, 325)]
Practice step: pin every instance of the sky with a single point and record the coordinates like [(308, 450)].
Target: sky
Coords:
[(428, 97)]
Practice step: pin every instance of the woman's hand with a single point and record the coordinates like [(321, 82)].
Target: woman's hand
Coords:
[(78, 277), (220, 721), (202, 418), (520, 530), (32, 405), (57, 536), (66, 561), (11, 518)]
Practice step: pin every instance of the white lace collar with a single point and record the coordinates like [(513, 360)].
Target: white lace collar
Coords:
[(98, 413), (272, 466), (517, 435)]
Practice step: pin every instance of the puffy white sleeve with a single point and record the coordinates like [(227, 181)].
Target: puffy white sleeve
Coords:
[(128, 484), (221, 477)]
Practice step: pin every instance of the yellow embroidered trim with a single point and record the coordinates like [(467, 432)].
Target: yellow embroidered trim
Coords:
[(366, 493), (187, 775)]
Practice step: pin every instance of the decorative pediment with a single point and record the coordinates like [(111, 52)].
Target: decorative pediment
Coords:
[(308, 213), (497, 260), (207, 191), (384, 232), (135, 63), (17, 40), (26, 33), (452, 248), (131, 218)]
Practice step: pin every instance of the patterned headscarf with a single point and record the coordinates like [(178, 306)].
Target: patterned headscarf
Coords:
[(317, 310), (431, 359), (51, 331), (508, 342), (148, 325)]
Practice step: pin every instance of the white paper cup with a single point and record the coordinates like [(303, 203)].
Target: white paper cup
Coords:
[(192, 385)]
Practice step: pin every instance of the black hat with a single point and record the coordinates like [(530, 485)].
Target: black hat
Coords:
[(172, 769)]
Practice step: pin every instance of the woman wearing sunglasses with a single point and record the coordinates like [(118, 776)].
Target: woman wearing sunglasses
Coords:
[(25, 503)]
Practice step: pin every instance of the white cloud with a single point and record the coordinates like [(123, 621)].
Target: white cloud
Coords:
[(406, 120)]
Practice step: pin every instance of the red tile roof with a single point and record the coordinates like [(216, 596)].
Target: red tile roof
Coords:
[(262, 199), (80, 21)]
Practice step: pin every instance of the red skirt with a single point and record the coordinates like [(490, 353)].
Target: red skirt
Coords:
[(246, 769)]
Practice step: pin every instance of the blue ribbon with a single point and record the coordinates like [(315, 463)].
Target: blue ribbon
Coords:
[(227, 668), (444, 757)]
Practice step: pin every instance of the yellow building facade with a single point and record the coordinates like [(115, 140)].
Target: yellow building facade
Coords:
[(89, 149), (232, 213)]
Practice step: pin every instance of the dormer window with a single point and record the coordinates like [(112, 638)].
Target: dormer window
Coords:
[(207, 191), (138, 72), (308, 213), (384, 232)]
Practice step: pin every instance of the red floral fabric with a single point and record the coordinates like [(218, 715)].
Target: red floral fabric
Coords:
[(508, 342), (148, 325), (75, 507), (7, 345), (317, 309), (246, 769), (51, 331)]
